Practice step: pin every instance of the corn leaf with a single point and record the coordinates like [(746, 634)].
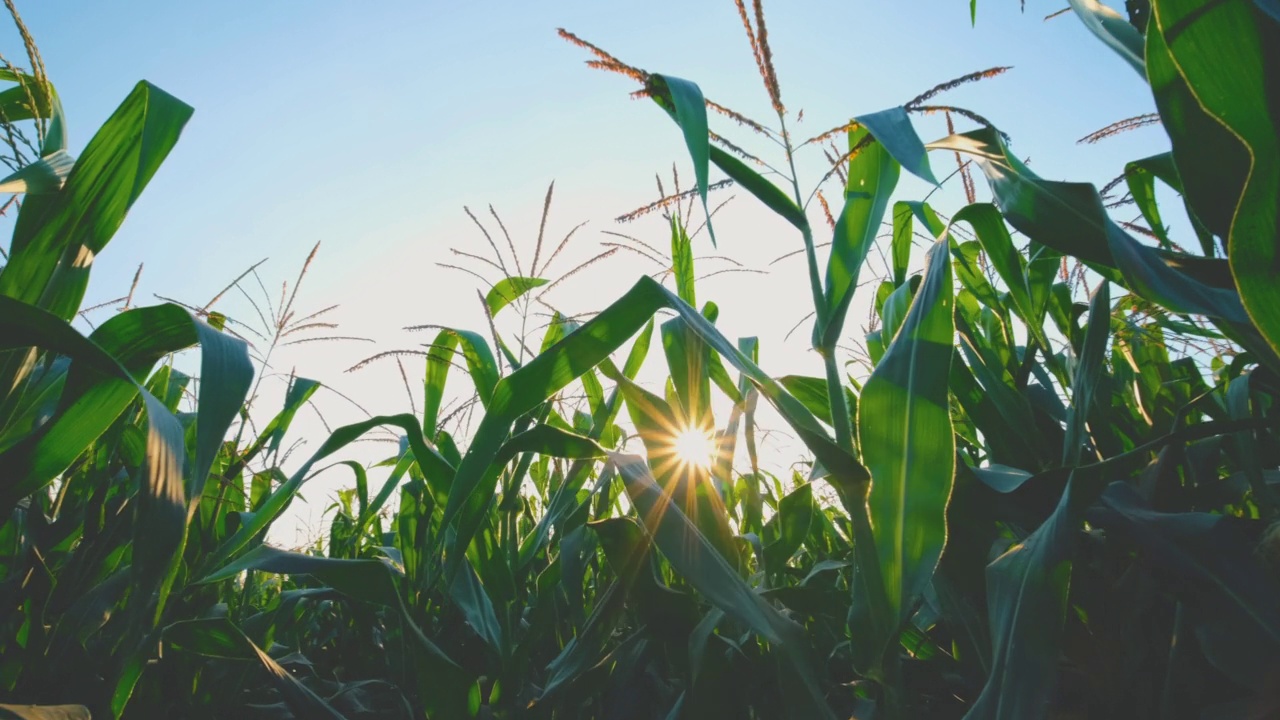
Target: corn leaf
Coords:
[(907, 443)]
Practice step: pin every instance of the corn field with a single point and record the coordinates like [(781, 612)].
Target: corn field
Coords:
[(1044, 484)]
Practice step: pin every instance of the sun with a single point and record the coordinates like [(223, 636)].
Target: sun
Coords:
[(693, 446)]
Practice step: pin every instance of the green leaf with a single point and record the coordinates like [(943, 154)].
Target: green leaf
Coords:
[(508, 290), (468, 594), (226, 375), (688, 360), (1089, 369), (904, 213), (688, 108), (1070, 218), (892, 128), (794, 518), (300, 391), (549, 440), (812, 393), (766, 192), (1234, 84), (988, 226), (45, 175), (103, 381), (1026, 606), (1140, 176), (1113, 29), (480, 361), (682, 262), (1212, 163), (873, 174), (57, 236), (907, 442)]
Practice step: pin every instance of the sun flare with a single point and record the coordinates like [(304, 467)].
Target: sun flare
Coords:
[(693, 446)]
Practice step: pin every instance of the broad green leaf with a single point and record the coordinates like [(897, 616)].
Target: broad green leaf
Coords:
[(469, 595), (226, 375), (873, 174), (1026, 607), (508, 290), (102, 382), (481, 364), (1089, 368), (894, 310), (1001, 478), (1234, 83), (988, 226), (812, 393), (1212, 163), (299, 392), (440, 356), (57, 236), (1140, 177), (905, 427)]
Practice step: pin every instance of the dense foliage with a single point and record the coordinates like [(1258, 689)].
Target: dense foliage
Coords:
[(1039, 510)]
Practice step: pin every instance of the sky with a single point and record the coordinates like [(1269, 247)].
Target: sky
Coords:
[(367, 127)]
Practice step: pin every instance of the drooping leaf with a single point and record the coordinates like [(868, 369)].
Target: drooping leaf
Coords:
[(1070, 218), (508, 290), (892, 128), (683, 100), (1113, 29)]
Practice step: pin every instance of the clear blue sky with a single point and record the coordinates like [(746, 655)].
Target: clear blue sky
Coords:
[(368, 125)]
